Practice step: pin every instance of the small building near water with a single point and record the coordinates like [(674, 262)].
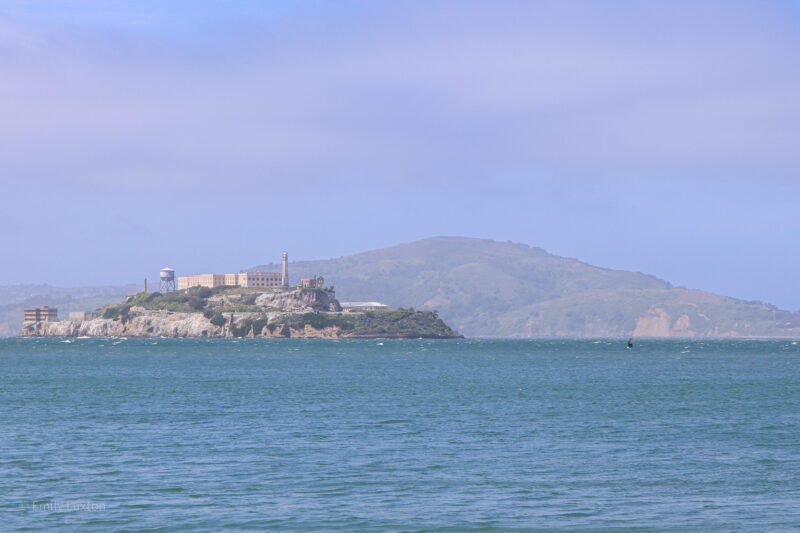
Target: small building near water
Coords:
[(363, 306), (82, 315)]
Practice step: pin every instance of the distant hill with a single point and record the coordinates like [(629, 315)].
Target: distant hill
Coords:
[(487, 288), (14, 298)]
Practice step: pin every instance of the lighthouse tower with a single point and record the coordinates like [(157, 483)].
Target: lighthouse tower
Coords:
[(285, 270)]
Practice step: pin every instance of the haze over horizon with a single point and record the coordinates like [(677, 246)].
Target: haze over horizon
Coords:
[(651, 137)]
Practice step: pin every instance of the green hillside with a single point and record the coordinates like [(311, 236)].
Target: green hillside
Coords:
[(487, 288)]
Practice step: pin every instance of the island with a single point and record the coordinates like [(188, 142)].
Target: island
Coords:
[(233, 311)]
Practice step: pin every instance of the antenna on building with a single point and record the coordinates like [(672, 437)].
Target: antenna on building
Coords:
[(166, 280), (285, 270)]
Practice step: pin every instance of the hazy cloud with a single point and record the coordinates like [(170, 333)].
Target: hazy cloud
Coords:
[(411, 92)]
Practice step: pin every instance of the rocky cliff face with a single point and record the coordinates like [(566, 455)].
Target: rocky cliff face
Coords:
[(144, 323), (139, 323), (301, 300)]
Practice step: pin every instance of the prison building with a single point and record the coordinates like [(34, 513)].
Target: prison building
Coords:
[(260, 279), (203, 280), (243, 279)]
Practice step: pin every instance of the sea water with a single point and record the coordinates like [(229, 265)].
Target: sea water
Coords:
[(416, 435)]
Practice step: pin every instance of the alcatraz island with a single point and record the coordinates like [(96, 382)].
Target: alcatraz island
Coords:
[(246, 304)]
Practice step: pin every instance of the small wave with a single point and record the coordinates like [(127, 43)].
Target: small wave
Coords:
[(67, 340)]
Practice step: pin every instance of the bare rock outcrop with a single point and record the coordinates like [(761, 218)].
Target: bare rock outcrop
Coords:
[(138, 323), (298, 300)]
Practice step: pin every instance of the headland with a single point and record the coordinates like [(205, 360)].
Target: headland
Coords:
[(235, 311)]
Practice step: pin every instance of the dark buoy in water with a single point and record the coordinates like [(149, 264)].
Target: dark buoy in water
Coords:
[(630, 343)]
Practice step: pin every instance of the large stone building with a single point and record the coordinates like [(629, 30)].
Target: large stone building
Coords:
[(40, 314), (242, 279)]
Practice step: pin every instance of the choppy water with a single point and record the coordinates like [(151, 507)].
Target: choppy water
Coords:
[(465, 435)]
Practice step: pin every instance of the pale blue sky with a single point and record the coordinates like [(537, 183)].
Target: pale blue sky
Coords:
[(211, 136)]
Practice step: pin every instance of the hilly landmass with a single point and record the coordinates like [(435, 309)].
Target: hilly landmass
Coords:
[(488, 288), (503, 289)]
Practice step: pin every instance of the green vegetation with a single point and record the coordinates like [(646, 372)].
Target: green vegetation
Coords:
[(384, 323), (389, 323), (117, 312), (192, 301), (401, 323)]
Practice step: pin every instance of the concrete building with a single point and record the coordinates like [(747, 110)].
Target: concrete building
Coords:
[(363, 306), (82, 315), (40, 314)]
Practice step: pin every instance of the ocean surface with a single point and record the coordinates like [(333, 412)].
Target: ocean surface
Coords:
[(398, 435)]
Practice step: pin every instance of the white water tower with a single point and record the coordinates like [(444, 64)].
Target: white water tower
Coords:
[(166, 280)]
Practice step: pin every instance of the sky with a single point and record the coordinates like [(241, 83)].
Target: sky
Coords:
[(661, 137)]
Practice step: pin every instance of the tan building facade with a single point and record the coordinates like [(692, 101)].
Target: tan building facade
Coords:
[(243, 279), (201, 280), (260, 279), (40, 314)]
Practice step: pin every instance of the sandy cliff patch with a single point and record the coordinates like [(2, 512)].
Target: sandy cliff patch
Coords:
[(656, 323)]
